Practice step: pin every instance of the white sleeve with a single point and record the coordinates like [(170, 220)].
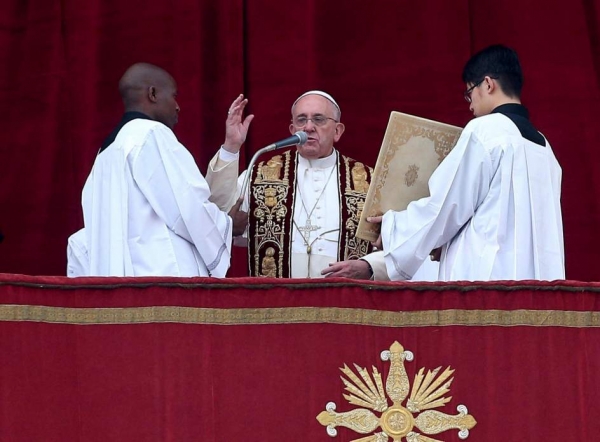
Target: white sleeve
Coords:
[(377, 262), (169, 178), (78, 263), (222, 177), (456, 189)]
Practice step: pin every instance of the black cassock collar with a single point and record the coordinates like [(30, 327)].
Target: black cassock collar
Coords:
[(519, 115), (127, 117)]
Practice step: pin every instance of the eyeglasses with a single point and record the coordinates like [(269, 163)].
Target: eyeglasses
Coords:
[(318, 120), (468, 92)]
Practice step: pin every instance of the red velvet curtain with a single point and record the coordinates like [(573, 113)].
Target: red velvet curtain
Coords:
[(62, 61), (105, 359)]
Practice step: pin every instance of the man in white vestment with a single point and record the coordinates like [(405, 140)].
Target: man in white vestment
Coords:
[(494, 204), (304, 203), (145, 204)]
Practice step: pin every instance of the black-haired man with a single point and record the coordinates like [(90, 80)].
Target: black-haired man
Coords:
[(494, 204)]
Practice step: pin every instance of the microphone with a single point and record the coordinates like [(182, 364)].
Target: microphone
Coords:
[(299, 138)]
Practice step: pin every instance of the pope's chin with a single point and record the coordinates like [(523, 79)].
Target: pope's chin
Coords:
[(309, 150)]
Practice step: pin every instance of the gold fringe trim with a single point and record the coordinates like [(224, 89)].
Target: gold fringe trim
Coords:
[(298, 315)]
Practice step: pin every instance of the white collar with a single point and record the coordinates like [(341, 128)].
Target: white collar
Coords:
[(319, 163)]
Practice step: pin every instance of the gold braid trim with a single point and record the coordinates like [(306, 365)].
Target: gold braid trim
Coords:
[(298, 315)]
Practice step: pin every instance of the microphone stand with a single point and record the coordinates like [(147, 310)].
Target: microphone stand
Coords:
[(301, 139), (258, 153)]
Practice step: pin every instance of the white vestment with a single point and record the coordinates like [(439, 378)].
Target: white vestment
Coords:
[(78, 261), (318, 184), (313, 180), (146, 209), (317, 193), (494, 206)]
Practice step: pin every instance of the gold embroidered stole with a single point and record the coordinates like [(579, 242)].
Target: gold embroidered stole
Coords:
[(271, 212)]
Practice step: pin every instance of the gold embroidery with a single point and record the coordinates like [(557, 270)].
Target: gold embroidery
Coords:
[(355, 247), (411, 175), (272, 170), (355, 201), (269, 268), (359, 178), (273, 205), (360, 206), (270, 197), (396, 421), (442, 144), (270, 191), (300, 315)]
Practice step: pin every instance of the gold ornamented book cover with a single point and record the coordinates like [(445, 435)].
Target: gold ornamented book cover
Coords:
[(412, 149)]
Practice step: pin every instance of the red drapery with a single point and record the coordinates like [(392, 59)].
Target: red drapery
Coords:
[(62, 60), (211, 360)]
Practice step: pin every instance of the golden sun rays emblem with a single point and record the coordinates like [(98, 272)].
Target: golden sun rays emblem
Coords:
[(397, 421)]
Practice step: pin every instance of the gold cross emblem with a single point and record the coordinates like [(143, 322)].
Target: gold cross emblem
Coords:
[(397, 421)]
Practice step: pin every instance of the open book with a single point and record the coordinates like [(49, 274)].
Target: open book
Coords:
[(412, 149)]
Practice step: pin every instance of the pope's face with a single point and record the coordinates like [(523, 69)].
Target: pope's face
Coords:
[(321, 136)]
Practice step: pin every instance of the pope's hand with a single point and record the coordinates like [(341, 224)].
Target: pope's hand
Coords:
[(355, 269), (236, 129)]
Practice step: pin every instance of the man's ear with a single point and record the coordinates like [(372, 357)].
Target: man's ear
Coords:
[(339, 130), (152, 94), (490, 84), (292, 129)]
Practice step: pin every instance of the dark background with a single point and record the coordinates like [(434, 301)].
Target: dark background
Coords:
[(61, 61)]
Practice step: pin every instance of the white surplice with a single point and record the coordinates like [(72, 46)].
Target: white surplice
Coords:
[(494, 206), (146, 209), (312, 176), (319, 190), (78, 261)]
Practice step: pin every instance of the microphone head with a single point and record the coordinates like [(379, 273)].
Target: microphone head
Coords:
[(302, 137)]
